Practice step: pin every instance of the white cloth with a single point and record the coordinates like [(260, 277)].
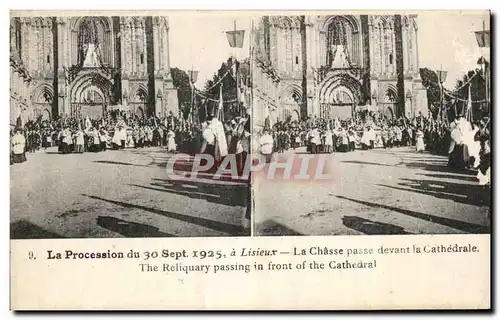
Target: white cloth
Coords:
[(243, 145), (96, 137), (68, 139), (80, 138), (171, 141), (315, 137), (328, 138), (266, 144), (420, 145), (339, 57), (119, 135), (372, 135), (18, 143), (365, 138), (91, 59), (218, 129), (208, 135)]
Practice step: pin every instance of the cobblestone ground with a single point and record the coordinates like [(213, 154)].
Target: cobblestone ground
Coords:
[(393, 191), (124, 193)]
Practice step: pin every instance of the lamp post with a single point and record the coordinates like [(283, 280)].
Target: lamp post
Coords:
[(483, 41), (442, 78), (236, 39), (193, 77)]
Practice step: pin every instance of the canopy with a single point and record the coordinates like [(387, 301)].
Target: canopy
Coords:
[(367, 108), (119, 107)]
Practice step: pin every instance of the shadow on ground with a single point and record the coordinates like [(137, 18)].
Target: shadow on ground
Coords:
[(230, 195), (230, 229), (26, 230), (119, 163), (462, 193), (273, 228), (372, 227), (130, 229), (456, 224)]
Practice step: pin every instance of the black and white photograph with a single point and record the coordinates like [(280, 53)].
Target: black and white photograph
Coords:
[(99, 105), (398, 105)]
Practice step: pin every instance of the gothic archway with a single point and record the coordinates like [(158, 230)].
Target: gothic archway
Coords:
[(90, 94), (42, 98), (343, 42), (388, 101), (338, 96), (290, 101), (91, 38), (139, 100)]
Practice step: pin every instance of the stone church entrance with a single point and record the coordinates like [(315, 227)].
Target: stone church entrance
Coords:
[(90, 96)]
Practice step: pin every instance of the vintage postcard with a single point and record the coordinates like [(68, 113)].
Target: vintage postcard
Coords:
[(265, 160)]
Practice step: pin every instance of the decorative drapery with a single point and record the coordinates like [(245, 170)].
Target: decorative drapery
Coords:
[(90, 41), (341, 36)]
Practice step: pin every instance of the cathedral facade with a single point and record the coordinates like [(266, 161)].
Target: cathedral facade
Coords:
[(329, 66), (81, 66)]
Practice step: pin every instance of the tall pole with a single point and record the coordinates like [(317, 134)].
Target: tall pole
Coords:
[(236, 74), (192, 98), (486, 93)]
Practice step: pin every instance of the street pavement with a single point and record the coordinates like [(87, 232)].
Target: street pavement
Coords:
[(125, 193), (391, 191)]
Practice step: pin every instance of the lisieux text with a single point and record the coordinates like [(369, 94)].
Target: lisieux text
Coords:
[(327, 258)]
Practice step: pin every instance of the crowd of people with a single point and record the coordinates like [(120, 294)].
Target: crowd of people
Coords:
[(79, 135), (327, 136), (460, 137)]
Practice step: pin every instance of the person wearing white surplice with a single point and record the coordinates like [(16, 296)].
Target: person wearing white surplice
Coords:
[(420, 145), (171, 147), (459, 151), (18, 147), (315, 140), (103, 138), (79, 141), (328, 135), (67, 141), (266, 145), (94, 140), (119, 138), (214, 141)]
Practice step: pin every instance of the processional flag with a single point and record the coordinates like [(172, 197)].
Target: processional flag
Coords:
[(220, 109), (469, 106)]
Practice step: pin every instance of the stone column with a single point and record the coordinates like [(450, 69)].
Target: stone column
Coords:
[(156, 55), (122, 44), (63, 98), (414, 50), (372, 43), (124, 59), (166, 46)]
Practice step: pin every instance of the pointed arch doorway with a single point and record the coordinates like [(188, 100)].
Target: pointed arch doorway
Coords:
[(90, 95)]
